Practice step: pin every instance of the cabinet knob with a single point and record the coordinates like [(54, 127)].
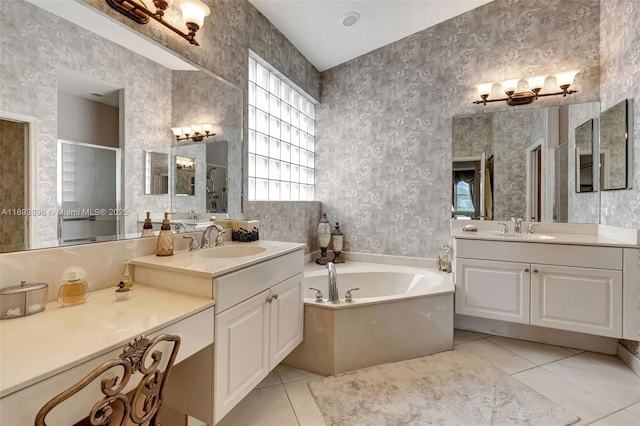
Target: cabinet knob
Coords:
[(535, 271), (526, 269), (275, 297), (270, 299)]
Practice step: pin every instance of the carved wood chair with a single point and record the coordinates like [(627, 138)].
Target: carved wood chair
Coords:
[(139, 406)]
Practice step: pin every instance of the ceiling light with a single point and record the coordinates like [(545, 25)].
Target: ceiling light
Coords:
[(349, 19)]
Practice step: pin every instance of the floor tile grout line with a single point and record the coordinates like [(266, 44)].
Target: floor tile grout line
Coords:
[(291, 405), (605, 416)]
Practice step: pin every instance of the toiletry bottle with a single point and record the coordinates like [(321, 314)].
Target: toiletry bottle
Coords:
[(126, 277), (74, 291), (164, 247), (147, 228)]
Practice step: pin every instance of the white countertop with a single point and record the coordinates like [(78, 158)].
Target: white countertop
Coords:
[(558, 238), (41, 345), (194, 263)]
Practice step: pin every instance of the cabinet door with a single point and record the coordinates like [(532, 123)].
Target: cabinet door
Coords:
[(577, 299), (496, 290), (287, 316), (241, 351)]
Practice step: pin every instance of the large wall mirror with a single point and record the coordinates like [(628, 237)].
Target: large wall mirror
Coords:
[(615, 147), (64, 82), (521, 163)]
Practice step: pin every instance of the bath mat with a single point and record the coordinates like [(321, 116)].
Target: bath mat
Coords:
[(449, 388)]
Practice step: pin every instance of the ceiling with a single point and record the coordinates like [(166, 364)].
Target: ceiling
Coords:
[(314, 26)]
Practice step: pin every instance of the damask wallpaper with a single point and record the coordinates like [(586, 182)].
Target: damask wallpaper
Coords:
[(232, 28), (383, 161), (620, 79)]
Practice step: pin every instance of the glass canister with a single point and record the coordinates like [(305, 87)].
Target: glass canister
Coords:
[(23, 299)]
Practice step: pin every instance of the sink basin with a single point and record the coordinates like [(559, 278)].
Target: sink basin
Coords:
[(524, 237), (231, 251)]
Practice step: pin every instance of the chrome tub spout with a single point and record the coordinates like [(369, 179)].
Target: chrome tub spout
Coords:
[(333, 283)]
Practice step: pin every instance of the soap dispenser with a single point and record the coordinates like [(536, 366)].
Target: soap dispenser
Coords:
[(147, 228), (164, 247)]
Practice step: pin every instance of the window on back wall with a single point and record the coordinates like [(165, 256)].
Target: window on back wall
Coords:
[(281, 138)]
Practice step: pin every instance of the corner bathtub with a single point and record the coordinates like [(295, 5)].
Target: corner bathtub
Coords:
[(399, 313)]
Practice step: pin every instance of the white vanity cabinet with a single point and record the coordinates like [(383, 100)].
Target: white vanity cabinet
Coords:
[(495, 290), (259, 314), (577, 299), (575, 288), (252, 338)]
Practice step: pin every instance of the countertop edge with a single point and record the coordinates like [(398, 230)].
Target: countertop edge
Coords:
[(224, 270), (113, 346)]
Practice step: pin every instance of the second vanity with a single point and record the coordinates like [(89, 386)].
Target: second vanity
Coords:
[(581, 279), (258, 321)]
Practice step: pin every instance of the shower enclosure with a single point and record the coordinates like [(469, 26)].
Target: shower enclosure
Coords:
[(89, 193)]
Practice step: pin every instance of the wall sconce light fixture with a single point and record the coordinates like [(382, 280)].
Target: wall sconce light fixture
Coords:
[(194, 133), (510, 88), (193, 13)]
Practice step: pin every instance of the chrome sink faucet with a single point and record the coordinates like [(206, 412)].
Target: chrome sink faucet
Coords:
[(205, 243), (530, 228), (333, 283), (517, 227)]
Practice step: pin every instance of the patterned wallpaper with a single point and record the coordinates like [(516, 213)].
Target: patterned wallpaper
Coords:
[(228, 33), (30, 58), (511, 137), (12, 184), (384, 123), (620, 79)]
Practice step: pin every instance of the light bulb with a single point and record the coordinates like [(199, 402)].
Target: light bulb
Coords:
[(536, 82), (196, 129), (207, 127), (177, 131), (510, 85), (484, 88), (566, 77), (194, 11), (186, 130)]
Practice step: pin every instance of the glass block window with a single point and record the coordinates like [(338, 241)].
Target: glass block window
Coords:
[(281, 138)]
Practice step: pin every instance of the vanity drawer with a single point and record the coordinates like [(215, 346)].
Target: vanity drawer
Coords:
[(549, 254), (231, 289)]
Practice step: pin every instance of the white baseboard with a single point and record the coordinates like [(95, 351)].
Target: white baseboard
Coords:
[(629, 359)]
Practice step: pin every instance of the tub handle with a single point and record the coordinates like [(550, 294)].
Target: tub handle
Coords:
[(347, 296), (318, 294)]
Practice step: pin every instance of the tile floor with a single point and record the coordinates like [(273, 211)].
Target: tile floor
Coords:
[(598, 388)]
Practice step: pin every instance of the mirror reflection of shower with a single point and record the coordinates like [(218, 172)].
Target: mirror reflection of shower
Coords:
[(216, 177)]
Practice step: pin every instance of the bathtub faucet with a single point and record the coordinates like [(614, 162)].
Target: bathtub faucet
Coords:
[(333, 283)]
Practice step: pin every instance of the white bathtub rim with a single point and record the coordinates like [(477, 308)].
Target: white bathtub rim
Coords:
[(314, 270)]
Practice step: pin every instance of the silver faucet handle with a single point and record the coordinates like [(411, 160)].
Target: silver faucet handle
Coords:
[(348, 297), (530, 228), (504, 228), (318, 294), (193, 244), (219, 238)]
